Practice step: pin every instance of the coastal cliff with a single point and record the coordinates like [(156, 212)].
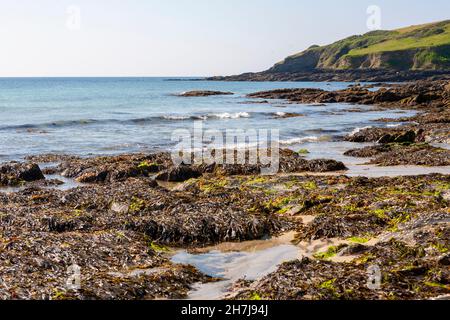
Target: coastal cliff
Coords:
[(412, 53)]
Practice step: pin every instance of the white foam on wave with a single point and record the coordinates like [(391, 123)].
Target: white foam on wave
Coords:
[(393, 125), (357, 130), (299, 140), (227, 115), (176, 117), (224, 115)]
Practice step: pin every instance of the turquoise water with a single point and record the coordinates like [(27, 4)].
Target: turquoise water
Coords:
[(91, 116)]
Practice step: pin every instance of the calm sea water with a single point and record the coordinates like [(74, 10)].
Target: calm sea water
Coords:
[(91, 116)]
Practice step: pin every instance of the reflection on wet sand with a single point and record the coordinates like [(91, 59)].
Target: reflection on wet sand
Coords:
[(249, 260)]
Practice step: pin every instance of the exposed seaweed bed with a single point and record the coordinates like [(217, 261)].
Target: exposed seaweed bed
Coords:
[(119, 224)]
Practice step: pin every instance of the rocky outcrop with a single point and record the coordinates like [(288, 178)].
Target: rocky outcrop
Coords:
[(180, 173), (13, 174), (432, 94), (205, 93), (115, 168), (386, 135), (160, 166), (340, 75), (403, 154)]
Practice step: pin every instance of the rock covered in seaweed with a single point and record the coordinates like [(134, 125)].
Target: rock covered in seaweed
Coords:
[(410, 95), (14, 173), (161, 167), (204, 93), (405, 274), (403, 154)]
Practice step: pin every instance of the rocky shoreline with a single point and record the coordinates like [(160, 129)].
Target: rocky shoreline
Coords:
[(205, 93), (128, 214), (358, 75)]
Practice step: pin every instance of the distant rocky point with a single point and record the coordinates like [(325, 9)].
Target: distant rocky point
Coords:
[(204, 93), (407, 54)]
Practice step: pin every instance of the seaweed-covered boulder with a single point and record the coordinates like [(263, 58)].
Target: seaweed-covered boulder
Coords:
[(445, 260), (92, 176), (325, 165), (30, 172), (403, 154), (386, 135), (14, 173), (368, 152), (204, 93), (407, 137), (179, 174), (353, 249), (116, 168)]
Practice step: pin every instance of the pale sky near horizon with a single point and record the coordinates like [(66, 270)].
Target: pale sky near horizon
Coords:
[(182, 37)]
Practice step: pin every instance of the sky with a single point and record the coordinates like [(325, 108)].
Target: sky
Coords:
[(182, 37)]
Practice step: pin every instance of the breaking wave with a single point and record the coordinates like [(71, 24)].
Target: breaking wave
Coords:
[(144, 120), (357, 130)]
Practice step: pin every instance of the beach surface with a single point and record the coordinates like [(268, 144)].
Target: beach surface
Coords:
[(359, 208)]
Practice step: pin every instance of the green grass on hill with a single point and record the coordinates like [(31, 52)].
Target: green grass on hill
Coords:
[(409, 38), (421, 47)]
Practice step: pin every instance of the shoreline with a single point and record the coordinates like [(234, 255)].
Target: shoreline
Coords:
[(359, 75)]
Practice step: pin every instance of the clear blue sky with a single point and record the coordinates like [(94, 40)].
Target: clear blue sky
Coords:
[(182, 37)]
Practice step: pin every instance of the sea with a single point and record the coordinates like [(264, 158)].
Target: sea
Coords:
[(106, 116)]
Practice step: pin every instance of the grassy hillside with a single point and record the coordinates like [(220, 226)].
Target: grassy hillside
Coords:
[(424, 47), (410, 38)]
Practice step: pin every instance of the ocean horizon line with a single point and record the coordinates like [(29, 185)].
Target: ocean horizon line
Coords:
[(103, 77)]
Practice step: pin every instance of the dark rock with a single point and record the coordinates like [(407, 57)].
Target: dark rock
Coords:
[(353, 249), (92, 177), (387, 135), (445, 260), (387, 138), (204, 93), (30, 172), (409, 136), (57, 225), (326, 165), (179, 174), (406, 137), (14, 173), (368, 152), (412, 271)]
